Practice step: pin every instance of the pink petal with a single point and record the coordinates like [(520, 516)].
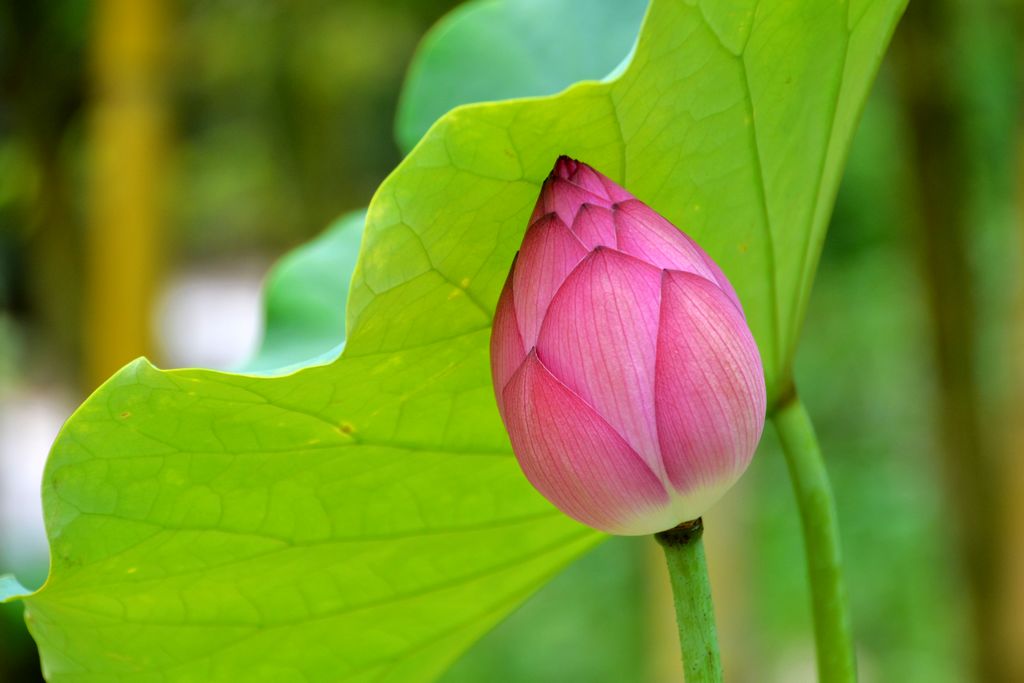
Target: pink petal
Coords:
[(599, 338), (710, 388), (648, 236), (565, 166), (720, 278), (595, 226), (561, 197), (549, 253), (507, 350), (599, 184), (589, 179), (574, 458)]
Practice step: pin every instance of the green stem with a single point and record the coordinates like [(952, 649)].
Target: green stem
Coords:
[(832, 631), (695, 613)]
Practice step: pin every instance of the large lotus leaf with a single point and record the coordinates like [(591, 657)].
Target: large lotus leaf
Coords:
[(500, 49), (364, 520)]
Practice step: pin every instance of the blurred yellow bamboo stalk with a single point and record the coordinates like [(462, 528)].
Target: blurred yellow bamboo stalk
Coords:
[(128, 138)]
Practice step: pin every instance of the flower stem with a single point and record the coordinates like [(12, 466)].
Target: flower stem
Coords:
[(695, 613), (832, 631)]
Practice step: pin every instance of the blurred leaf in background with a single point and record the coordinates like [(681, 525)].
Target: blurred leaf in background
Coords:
[(304, 298), (498, 50)]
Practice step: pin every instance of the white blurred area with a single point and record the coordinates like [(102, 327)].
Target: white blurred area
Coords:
[(207, 316), (211, 316), (30, 418)]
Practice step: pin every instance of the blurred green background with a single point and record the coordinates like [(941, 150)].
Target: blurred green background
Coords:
[(201, 139)]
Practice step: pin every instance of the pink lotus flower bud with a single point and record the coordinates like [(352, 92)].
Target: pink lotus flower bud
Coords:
[(625, 373)]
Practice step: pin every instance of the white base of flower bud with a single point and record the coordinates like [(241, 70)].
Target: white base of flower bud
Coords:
[(680, 508)]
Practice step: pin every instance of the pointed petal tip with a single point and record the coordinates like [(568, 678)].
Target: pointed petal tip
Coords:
[(565, 167), (594, 226), (565, 197), (548, 217)]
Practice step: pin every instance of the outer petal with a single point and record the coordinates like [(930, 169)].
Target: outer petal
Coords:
[(507, 350), (586, 176), (645, 234), (595, 226), (710, 392), (599, 338), (549, 253), (565, 167), (561, 197), (576, 460), (589, 179)]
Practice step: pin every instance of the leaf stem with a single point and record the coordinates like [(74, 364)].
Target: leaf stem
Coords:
[(833, 635), (691, 590)]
